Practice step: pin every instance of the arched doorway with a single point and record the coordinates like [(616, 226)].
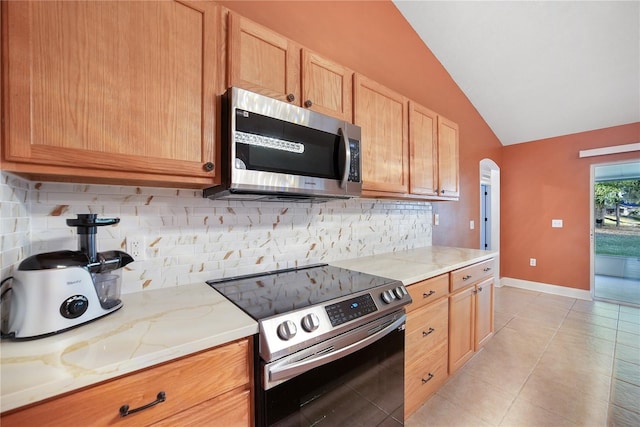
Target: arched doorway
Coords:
[(490, 208)]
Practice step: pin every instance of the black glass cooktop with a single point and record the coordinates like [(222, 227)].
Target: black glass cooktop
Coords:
[(268, 294)]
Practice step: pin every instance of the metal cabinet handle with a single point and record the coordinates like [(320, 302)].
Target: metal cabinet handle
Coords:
[(467, 277), (291, 97), (124, 409), (486, 269), (479, 289), (426, 295), (427, 333), (429, 378), (308, 103)]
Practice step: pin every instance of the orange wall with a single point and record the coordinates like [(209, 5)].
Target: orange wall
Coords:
[(545, 180), (374, 39)]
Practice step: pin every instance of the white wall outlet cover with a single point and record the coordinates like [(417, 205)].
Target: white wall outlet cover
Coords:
[(135, 248), (436, 219), (472, 224), (532, 262), (556, 223)]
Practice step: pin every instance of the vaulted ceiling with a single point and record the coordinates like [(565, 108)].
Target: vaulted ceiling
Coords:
[(538, 69)]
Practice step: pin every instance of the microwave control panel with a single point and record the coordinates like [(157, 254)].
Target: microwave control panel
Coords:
[(354, 167)]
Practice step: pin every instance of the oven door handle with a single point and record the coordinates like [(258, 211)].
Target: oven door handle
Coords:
[(287, 371)]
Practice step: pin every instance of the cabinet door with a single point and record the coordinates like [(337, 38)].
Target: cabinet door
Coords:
[(448, 158), (111, 89), (382, 115), (263, 61), (461, 327), (327, 87), (484, 312), (423, 149)]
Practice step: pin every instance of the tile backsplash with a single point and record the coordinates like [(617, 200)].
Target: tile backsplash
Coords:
[(187, 238)]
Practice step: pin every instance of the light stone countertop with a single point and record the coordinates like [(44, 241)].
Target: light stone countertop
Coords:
[(152, 327), (160, 325), (414, 265)]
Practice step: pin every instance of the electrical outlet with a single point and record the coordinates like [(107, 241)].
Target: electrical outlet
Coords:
[(436, 219), (532, 262), (556, 223), (135, 247), (472, 224)]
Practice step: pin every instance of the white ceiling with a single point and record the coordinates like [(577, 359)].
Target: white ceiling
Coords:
[(538, 69)]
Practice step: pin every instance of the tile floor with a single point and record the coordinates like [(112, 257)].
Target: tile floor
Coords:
[(553, 361)]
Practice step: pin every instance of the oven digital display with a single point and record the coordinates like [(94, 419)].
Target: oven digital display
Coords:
[(345, 311)]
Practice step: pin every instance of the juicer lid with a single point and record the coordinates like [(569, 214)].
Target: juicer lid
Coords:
[(54, 260)]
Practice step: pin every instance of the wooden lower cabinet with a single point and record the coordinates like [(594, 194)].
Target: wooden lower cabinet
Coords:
[(484, 312), (426, 351), (232, 409), (461, 327), (470, 321), (212, 387)]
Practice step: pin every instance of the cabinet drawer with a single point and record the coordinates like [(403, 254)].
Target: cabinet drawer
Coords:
[(428, 291), (471, 274), (186, 383), (232, 409), (427, 328), (424, 378)]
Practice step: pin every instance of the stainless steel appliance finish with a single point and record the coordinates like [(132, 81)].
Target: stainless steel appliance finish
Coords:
[(273, 150), (324, 330)]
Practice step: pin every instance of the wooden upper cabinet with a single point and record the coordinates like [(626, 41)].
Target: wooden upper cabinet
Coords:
[(448, 158), (108, 91), (433, 144), (262, 61), (327, 87), (383, 116), (423, 146)]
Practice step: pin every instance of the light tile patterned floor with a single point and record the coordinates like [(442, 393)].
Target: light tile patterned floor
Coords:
[(554, 361)]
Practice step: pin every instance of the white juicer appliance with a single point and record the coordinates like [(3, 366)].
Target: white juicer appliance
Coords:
[(55, 291)]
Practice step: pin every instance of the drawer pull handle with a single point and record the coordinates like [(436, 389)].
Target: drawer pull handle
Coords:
[(486, 269), (480, 289), (427, 295), (124, 409), (467, 277), (429, 378), (427, 333)]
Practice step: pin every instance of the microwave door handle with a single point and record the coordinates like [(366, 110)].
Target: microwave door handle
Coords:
[(347, 156)]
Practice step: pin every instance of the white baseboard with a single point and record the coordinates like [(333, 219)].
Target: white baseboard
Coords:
[(546, 288)]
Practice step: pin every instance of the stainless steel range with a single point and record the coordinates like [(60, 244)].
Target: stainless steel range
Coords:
[(325, 332)]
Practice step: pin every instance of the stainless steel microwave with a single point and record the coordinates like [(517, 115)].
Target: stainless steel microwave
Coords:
[(272, 150)]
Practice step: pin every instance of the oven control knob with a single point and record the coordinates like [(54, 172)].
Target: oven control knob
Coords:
[(310, 322), (287, 330), (388, 296), (400, 292)]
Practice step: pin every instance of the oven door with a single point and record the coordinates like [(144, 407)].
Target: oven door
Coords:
[(356, 378)]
